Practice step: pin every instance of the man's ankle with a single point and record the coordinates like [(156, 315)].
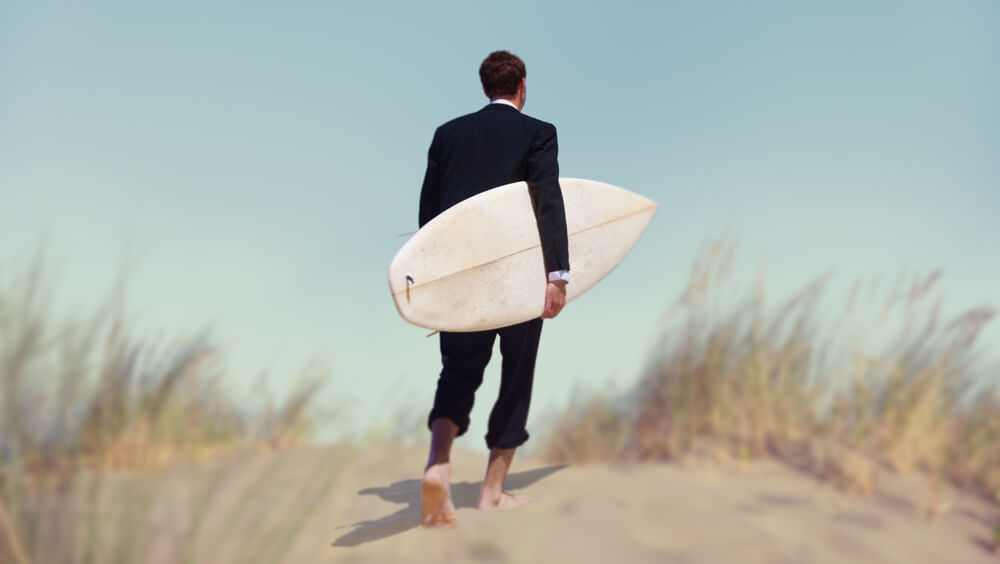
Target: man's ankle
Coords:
[(490, 494)]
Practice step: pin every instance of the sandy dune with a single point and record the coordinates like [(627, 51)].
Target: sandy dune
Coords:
[(337, 504), (641, 513)]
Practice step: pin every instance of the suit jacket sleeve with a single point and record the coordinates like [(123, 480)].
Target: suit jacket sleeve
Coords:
[(430, 193), (546, 196)]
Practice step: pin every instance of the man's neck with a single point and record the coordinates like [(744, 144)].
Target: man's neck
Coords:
[(505, 101)]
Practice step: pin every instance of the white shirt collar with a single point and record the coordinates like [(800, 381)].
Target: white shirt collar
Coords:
[(505, 101)]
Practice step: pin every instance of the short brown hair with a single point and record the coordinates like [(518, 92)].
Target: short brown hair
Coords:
[(501, 74)]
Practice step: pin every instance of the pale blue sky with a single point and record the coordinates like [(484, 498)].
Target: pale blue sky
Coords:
[(259, 158)]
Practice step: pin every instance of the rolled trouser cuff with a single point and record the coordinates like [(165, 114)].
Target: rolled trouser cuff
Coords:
[(507, 440)]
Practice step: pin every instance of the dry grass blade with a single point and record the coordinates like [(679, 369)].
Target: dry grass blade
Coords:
[(13, 542)]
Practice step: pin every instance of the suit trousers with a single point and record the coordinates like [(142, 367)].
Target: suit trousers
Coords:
[(464, 357)]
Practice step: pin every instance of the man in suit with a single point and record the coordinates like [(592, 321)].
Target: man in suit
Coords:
[(496, 145)]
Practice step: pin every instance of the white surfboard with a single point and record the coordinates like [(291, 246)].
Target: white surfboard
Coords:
[(478, 265)]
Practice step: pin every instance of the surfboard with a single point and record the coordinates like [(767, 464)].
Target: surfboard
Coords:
[(478, 265)]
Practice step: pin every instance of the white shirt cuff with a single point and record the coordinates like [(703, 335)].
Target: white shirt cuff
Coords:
[(559, 275)]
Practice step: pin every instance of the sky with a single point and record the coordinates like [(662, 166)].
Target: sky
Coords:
[(254, 164)]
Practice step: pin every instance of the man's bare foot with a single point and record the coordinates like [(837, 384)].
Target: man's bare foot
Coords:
[(436, 507), (504, 501)]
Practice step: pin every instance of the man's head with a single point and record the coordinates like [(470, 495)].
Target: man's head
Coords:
[(502, 75)]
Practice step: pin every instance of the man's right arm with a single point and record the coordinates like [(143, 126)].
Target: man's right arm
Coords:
[(546, 195), (430, 194), (550, 213)]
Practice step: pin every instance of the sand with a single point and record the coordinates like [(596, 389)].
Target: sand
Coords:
[(341, 504), (762, 512)]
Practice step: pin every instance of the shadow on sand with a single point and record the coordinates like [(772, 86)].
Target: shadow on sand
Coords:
[(464, 494)]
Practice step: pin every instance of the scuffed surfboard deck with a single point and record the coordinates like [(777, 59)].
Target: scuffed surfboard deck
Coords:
[(478, 265)]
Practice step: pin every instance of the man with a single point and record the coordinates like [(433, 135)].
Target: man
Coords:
[(496, 145)]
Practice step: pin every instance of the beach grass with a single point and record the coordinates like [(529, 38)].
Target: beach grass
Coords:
[(884, 383), (94, 419)]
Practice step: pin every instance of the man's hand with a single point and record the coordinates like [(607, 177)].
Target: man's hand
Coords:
[(555, 299)]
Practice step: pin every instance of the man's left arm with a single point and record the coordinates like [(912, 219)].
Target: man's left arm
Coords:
[(430, 192)]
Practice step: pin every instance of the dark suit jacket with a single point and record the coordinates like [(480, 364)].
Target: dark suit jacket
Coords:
[(495, 146)]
